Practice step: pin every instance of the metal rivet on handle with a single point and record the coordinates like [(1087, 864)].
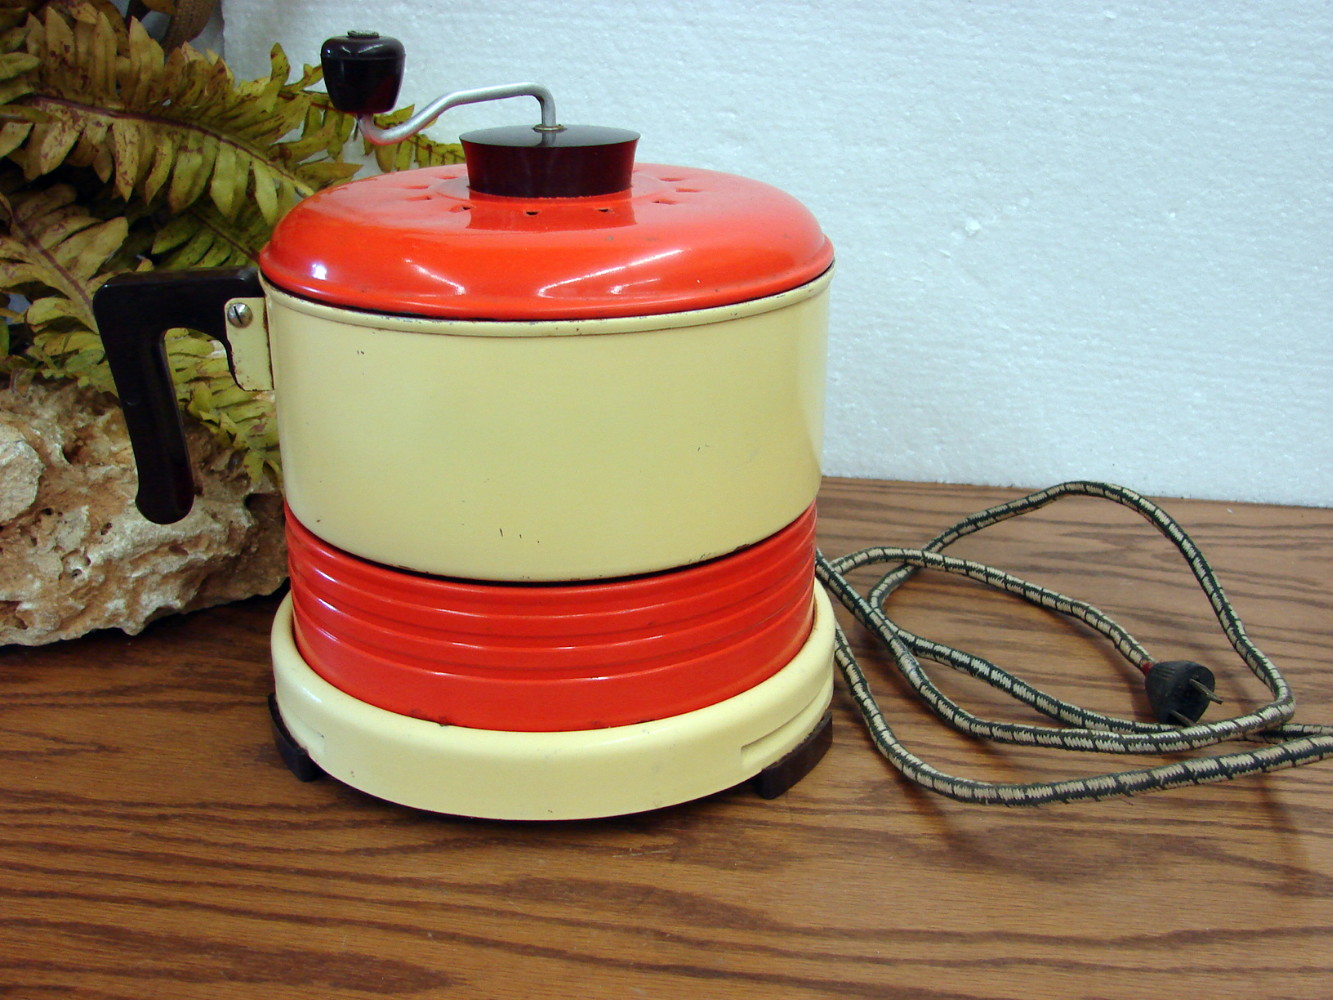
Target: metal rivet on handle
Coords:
[(239, 314)]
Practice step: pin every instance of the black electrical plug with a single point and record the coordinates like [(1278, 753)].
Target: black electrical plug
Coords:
[(1179, 691)]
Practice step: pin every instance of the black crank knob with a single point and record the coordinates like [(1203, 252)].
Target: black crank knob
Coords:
[(362, 71)]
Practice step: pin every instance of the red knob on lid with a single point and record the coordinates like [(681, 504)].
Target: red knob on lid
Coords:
[(568, 161)]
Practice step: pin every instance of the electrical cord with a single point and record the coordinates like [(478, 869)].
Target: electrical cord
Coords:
[(1178, 690)]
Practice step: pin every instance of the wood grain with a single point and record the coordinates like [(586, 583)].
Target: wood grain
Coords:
[(153, 846)]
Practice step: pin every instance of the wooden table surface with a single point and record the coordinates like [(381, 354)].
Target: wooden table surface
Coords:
[(154, 846)]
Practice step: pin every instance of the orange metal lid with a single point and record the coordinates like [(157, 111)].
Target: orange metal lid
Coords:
[(422, 243)]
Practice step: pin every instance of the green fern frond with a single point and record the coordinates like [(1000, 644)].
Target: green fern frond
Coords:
[(202, 237), (55, 253), (14, 12), (174, 126)]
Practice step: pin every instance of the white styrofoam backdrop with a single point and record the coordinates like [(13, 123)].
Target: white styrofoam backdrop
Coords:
[(1075, 240)]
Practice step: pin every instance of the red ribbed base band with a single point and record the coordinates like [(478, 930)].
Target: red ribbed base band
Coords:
[(552, 657)]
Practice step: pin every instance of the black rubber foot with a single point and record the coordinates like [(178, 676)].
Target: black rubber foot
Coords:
[(291, 752), (777, 778)]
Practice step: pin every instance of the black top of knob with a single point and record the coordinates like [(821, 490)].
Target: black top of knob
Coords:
[(574, 161), (362, 71)]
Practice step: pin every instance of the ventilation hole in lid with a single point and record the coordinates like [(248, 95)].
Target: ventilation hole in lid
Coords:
[(665, 201), (417, 197), (688, 190), (604, 210), (461, 208), (671, 180), (532, 211), (415, 187)]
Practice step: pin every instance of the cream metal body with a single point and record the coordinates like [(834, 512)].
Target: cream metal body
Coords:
[(548, 776), (551, 450)]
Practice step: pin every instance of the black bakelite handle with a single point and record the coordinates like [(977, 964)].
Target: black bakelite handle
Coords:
[(134, 312), (362, 71)]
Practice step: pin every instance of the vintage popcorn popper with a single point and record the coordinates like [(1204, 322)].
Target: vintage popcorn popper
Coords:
[(550, 426)]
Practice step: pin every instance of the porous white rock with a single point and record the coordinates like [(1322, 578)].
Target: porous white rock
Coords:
[(75, 553)]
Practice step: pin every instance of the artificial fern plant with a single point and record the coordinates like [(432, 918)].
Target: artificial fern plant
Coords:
[(116, 156)]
